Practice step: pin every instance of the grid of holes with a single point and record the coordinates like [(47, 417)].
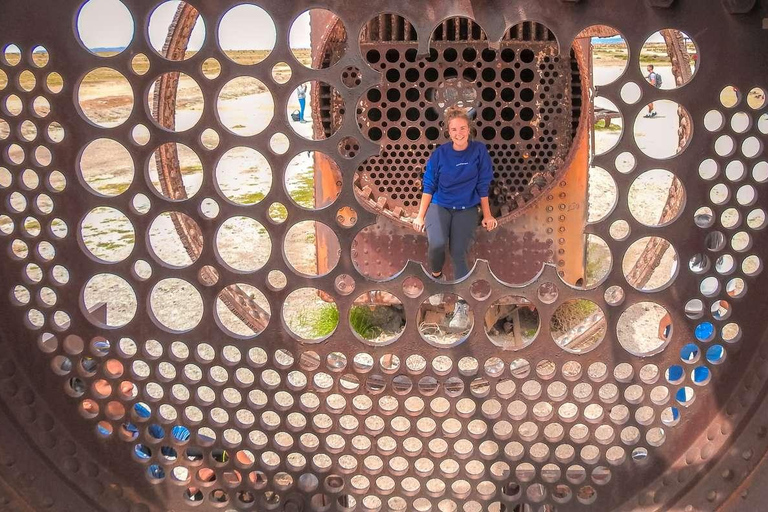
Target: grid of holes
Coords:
[(29, 182), (526, 135), (732, 173)]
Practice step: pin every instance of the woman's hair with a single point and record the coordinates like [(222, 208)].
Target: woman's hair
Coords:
[(454, 112)]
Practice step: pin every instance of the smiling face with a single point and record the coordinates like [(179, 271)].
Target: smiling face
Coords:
[(458, 131)]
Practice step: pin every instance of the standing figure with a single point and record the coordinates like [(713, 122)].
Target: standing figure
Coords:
[(301, 92), (456, 181), (655, 80)]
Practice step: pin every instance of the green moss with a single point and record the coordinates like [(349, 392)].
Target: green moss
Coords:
[(613, 127), (113, 189), (320, 322), (249, 198), (362, 322), (303, 190)]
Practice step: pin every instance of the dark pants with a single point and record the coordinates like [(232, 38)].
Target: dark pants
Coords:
[(454, 229), (302, 105)]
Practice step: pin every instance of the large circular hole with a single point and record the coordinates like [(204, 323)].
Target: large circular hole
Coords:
[(445, 320), (162, 21), (176, 305), (315, 110), (656, 62), (578, 325), (243, 176), (656, 198), (107, 234), (310, 315), (181, 104), (512, 322), (108, 301), (644, 329), (245, 106), (175, 171), (175, 239), (657, 127), (301, 39), (377, 318), (239, 39), (104, 27), (650, 264), (243, 243), (313, 180), (105, 97), (311, 248), (242, 310), (106, 167)]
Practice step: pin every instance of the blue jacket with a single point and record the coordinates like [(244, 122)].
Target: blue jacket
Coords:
[(458, 179)]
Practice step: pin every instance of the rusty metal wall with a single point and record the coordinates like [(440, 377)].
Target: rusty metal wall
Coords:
[(408, 425)]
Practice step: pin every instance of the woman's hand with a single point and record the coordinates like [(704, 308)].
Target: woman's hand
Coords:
[(418, 223), (489, 222)]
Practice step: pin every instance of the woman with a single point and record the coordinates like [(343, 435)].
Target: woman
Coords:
[(456, 180)]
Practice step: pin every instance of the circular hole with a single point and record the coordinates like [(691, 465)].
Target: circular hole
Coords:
[(311, 248), (243, 176), (276, 280), (209, 139), (303, 121), (377, 318), (444, 320), (243, 244), (105, 97), (578, 326), (179, 104), (735, 171), (619, 230), (140, 135), (650, 264), (278, 213), (281, 72), (512, 322), (413, 287), (176, 305), (603, 194), (656, 62), (740, 122), (752, 147), (657, 127), (656, 198), (40, 56), (162, 21), (211, 68), (104, 27), (238, 39), (107, 234), (310, 315), (313, 180), (108, 301), (279, 143), (730, 96), (140, 64), (631, 93), (300, 42), (644, 329), (725, 146), (245, 106), (756, 98), (175, 239), (242, 310), (182, 171), (714, 121), (607, 132)]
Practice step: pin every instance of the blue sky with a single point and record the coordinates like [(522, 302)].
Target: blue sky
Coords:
[(109, 24)]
